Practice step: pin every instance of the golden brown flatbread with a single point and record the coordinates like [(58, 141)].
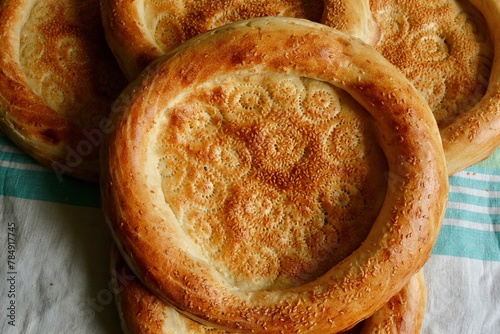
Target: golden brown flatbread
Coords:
[(449, 49), (140, 311), (58, 80), (238, 228)]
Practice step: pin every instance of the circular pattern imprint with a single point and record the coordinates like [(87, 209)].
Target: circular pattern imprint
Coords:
[(152, 237)]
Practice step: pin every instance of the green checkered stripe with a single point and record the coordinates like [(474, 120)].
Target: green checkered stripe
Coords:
[(22, 177), (471, 228), (472, 222)]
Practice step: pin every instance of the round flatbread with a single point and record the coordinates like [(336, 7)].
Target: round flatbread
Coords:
[(226, 188), (138, 32), (450, 51), (140, 311), (58, 80)]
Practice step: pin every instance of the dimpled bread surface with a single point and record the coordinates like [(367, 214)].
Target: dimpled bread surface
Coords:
[(283, 210), (449, 51), (139, 32), (58, 81), (443, 47), (248, 162)]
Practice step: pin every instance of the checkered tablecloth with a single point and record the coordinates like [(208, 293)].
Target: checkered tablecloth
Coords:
[(54, 248)]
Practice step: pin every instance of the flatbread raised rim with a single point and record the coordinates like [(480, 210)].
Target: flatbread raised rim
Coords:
[(403, 234), (141, 311), (54, 140), (475, 134)]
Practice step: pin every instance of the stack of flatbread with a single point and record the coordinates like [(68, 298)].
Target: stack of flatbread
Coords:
[(265, 166)]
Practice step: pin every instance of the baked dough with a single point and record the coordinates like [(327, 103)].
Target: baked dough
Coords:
[(58, 79), (253, 96), (449, 50), (403, 314), (140, 311), (140, 31), (353, 17)]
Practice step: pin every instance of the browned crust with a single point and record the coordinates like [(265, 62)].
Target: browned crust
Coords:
[(352, 17), (139, 310), (125, 35), (475, 135), (142, 312), (403, 234), (41, 131), (403, 314), (135, 46)]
